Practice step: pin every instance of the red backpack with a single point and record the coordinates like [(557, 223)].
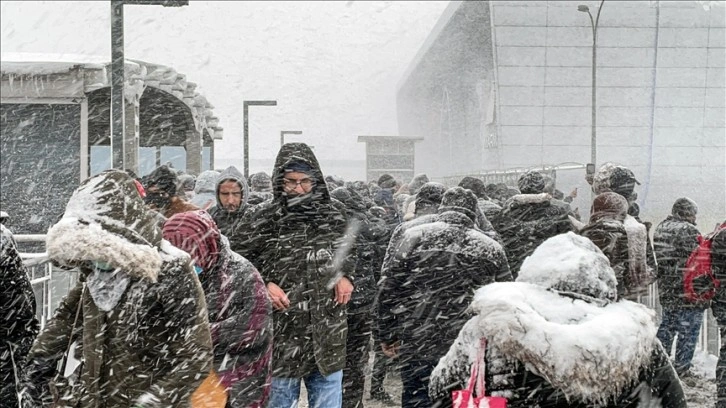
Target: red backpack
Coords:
[(699, 282)]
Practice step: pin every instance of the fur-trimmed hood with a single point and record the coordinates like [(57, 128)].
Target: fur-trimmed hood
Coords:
[(106, 220), (559, 321)]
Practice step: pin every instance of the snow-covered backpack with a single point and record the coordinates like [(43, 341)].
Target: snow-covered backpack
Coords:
[(699, 282)]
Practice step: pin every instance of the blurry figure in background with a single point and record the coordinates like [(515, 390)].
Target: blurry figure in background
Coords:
[(528, 219), (383, 198), (138, 310), (240, 314), (298, 242), (409, 205), (186, 186), (428, 202), (334, 181), (488, 207), (558, 196), (18, 324), (607, 232), (232, 195), (718, 306), (621, 180), (371, 231), (428, 281), (558, 337), (261, 188), (204, 190), (674, 240), (162, 194), (361, 188)]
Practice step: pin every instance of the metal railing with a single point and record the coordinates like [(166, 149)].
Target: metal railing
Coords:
[(49, 288)]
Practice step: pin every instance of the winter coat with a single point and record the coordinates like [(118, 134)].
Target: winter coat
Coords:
[(674, 239), (490, 209), (240, 316), (258, 197), (610, 236), (525, 222), (429, 278), (718, 266), (205, 196), (371, 232), (293, 247), (18, 324), (153, 348), (557, 338), (228, 221)]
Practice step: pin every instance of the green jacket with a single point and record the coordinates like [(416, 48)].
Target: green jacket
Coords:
[(154, 348), (294, 247)]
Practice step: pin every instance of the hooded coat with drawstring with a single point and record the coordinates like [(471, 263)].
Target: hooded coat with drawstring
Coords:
[(153, 347), (295, 244)]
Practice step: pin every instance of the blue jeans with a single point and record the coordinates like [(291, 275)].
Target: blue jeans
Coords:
[(323, 392), (687, 324)]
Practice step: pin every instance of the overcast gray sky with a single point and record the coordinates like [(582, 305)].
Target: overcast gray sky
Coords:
[(333, 67)]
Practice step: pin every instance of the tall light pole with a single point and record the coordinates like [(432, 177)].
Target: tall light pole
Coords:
[(246, 135), (593, 142), (288, 132), (118, 75)]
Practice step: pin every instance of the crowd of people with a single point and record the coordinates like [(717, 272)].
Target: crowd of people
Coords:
[(226, 291)]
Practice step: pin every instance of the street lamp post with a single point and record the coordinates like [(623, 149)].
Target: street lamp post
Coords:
[(246, 135), (594, 22), (288, 132), (118, 75)]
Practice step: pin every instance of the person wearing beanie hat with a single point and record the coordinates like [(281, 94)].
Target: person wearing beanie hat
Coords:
[(386, 181), (487, 206), (300, 244), (531, 182), (417, 320), (138, 308), (529, 218), (239, 311), (261, 182), (674, 239), (607, 231), (161, 187)]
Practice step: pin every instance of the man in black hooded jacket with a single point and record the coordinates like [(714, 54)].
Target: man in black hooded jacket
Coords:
[(298, 243)]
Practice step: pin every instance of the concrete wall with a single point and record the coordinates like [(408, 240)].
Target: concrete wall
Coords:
[(660, 94)]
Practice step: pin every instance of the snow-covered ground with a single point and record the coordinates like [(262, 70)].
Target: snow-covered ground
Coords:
[(701, 395)]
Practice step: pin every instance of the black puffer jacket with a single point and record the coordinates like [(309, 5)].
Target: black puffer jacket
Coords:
[(293, 246), (18, 324), (674, 239), (429, 278), (525, 222)]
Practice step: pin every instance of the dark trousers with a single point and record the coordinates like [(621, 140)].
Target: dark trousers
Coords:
[(415, 375), (356, 348), (719, 312), (687, 324)]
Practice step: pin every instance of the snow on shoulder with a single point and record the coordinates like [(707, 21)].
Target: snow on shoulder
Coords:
[(560, 319)]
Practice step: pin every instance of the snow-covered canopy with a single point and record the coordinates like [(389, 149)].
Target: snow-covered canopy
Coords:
[(27, 75)]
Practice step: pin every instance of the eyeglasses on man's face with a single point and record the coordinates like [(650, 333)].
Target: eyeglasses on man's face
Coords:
[(291, 184)]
